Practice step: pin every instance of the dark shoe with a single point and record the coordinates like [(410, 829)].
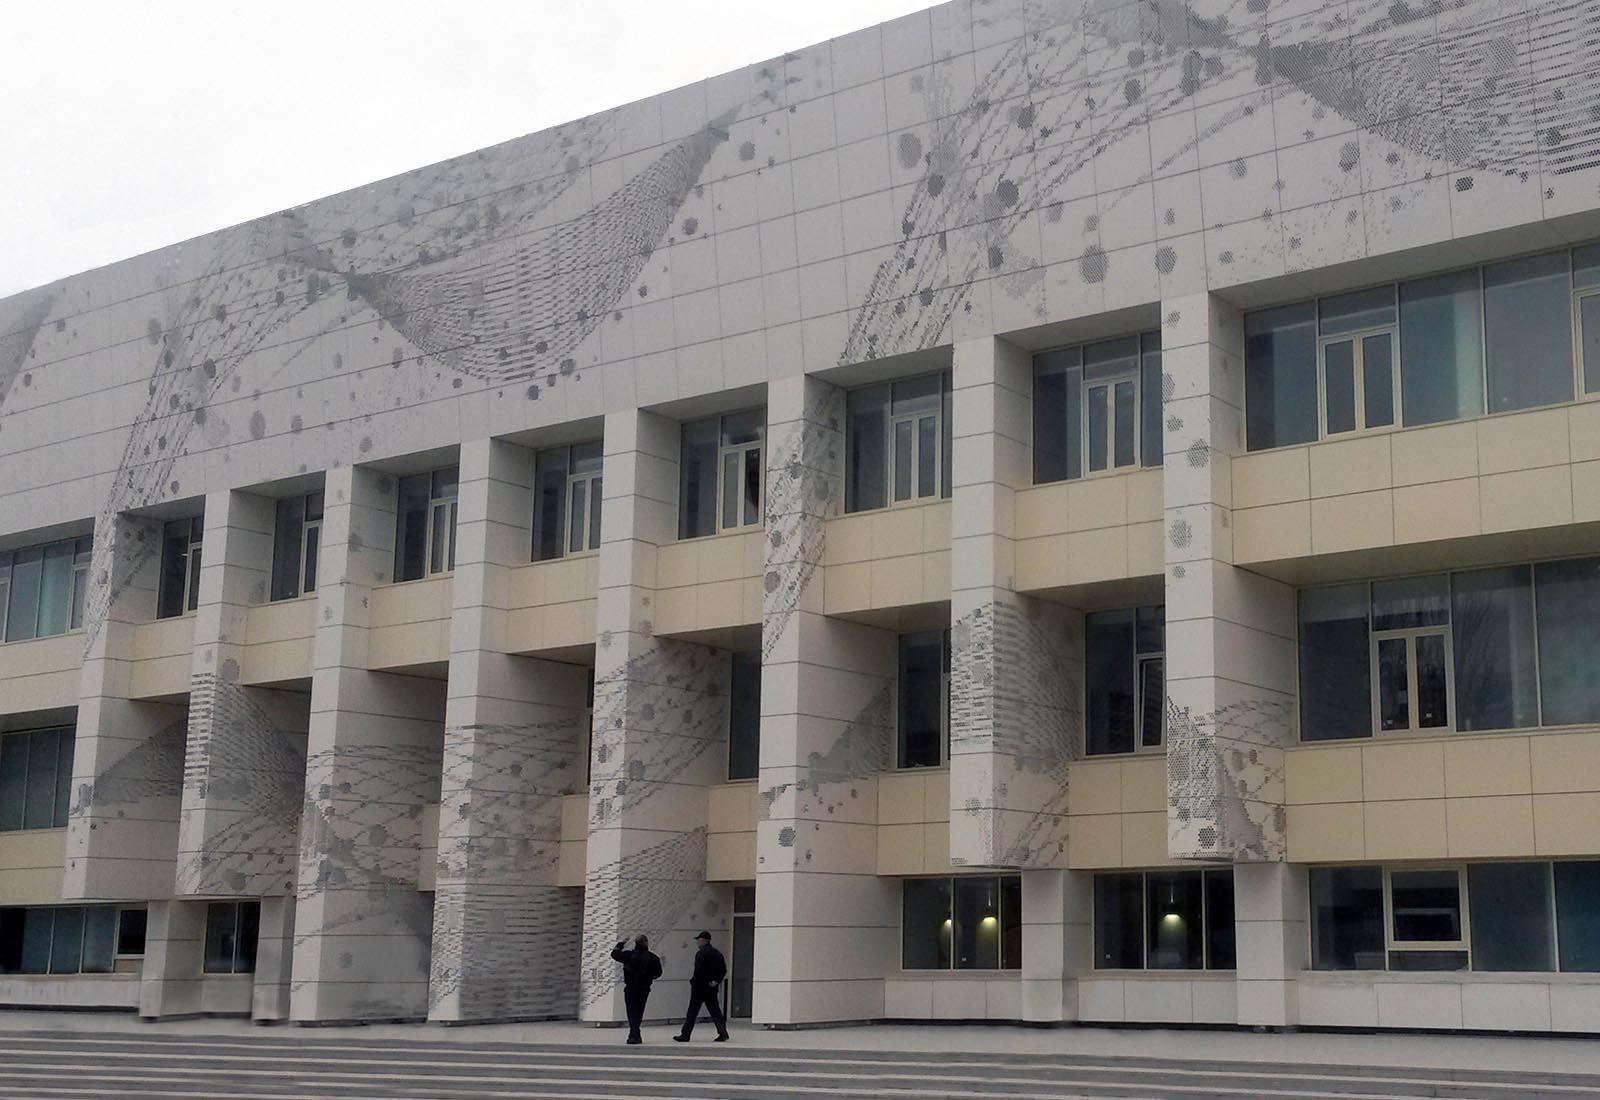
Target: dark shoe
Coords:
[(680, 1038), (634, 1040), (723, 1038)]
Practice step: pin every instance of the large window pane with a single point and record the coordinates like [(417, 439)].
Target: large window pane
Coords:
[(1347, 918), (1426, 906), (39, 807), (249, 935), (99, 939), (1377, 380), (1433, 695), (411, 528), (1511, 916), (288, 535), (1175, 903), (1491, 614), (22, 618), (131, 924), (946, 436), (1054, 456), (1441, 348), (36, 934), (174, 570), (1411, 602), (1119, 922), (1011, 922), (1123, 426), (921, 699), (1589, 341), (1358, 310), (866, 454), (1097, 417), (1578, 916), (1527, 311), (1280, 376), (13, 779), (1339, 386), (1586, 266), (1110, 685), (1394, 685), (1569, 640), (925, 926), (551, 469), (1335, 691), (1150, 408), (1221, 947), (744, 716), (66, 946), (697, 486), (222, 936), (65, 744), (752, 486), (12, 922), (730, 490), (976, 908), (55, 589)]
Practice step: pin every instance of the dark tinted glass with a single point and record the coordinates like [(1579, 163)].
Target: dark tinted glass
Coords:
[(66, 946), (411, 528), (1119, 922), (99, 939), (1150, 426), (130, 932), (287, 535), (549, 501), (1578, 916), (1055, 437), (1221, 949), (222, 936), (925, 924), (1280, 376), (1441, 348), (1335, 685), (1175, 904), (1527, 322), (921, 699), (1347, 918), (866, 448), (1011, 922), (1426, 906), (1109, 675), (1512, 916), (744, 716), (976, 906), (1569, 640), (1492, 620), (697, 479)]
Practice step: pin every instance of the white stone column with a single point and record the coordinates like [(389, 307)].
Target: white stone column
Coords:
[(362, 929), (244, 767), (174, 959), (660, 734), (827, 927), (505, 936), (127, 768), (1230, 653), (1270, 927), (1015, 662), (269, 998), (1057, 942)]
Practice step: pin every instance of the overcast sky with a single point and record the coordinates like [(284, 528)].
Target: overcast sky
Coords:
[(131, 124)]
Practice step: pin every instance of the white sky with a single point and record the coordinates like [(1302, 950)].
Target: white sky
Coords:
[(126, 125)]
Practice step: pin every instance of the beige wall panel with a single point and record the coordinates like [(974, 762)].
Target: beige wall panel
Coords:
[(1586, 492), (1485, 828), (1523, 441), (1350, 466), (936, 847), (1144, 784), (1359, 521), (1039, 511), (1094, 841), (574, 858), (1145, 503), (1393, 771), (1097, 501), (1500, 765), (1095, 787), (936, 794), (1272, 532), (1525, 499), (1565, 762), (1410, 829), (1144, 839), (1323, 775), (30, 866), (1566, 824), (1441, 510), (1327, 833), (1271, 477), (575, 818), (901, 849), (730, 857), (1433, 454), (901, 798)]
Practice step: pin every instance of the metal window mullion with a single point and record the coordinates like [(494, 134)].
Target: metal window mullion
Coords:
[(1144, 920), (1538, 670), (1578, 298)]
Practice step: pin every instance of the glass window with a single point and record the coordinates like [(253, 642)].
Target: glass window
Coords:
[(13, 779), (232, 928), (83, 551), (1578, 916), (923, 699), (1221, 945), (584, 486), (1151, 394), (1280, 376), (99, 939), (721, 476), (897, 442), (976, 910), (425, 524), (39, 799), (866, 448), (66, 944), (1097, 407), (698, 479), (1411, 644), (1569, 640), (1441, 348), (1119, 922), (43, 588), (1124, 673), (1427, 928), (1512, 925), (180, 567), (22, 615), (131, 924), (552, 467), (35, 778), (1528, 331), (55, 589), (1335, 692), (1492, 613), (296, 541), (744, 716), (1175, 904), (5, 589), (1010, 922), (1347, 918), (1589, 341), (1057, 434), (925, 924)]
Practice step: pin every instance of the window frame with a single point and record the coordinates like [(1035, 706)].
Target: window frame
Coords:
[(1146, 343), (58, 812), (999, 878), (1410, 635), (738, 452), (591, 483), (1579, 296), (944, 702), (1461, 945), (306, 560), (1205, 874), (1140, 660), (437, 503), (239, 907), (1357, 338), (1134, 376), (83, 910), (81, 550), (193, 546)]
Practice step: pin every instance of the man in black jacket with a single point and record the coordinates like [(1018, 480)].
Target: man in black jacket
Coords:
[(640, 967), (705, 988)]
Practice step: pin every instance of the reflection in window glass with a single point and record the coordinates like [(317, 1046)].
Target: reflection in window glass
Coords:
[(1358, 310), (1394, 688), (1339, 387), (1441, 348), (550, 473), (1335, 689), (1410, 602), (1569, 640), (1347, 918), (866, 453), (1578, 916), (1056, 379), (976, 906), (1119, 922), (22, 616), (1280, 376), (924, 666), (1427, 906), (39, 806), (1109, 674), (99, 939), (131, 925), (1377, 380), (1492, 619), (66, 945), (925, 924), (1175, 932), (1151, 428), (411, 528), (697, 487), (1511, 916), (1527, 308)]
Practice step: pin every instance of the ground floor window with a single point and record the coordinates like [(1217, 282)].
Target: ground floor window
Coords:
[(1490, 917), (1164, 920), (67, 939), (232, 928), (973, 922)]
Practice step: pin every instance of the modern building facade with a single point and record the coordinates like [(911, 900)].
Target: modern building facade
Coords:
[(1038, 510)]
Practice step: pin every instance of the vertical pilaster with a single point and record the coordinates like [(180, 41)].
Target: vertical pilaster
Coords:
[(1057, 942), (1230, 649), (362, 929), (505, 936), (174, 959), (1271, 907), (660, 729), (244, 766), (1015, 661), (827, 926), (269, 998), (127, 769)]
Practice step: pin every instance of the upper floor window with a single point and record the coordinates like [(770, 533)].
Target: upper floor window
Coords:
[(1484, 649), (744, 716), (970, 922), (425, 525), (1125, 674), (566, 500), (67, 939), (42, 589), (1164, 920), (232, 930), (296, 539), (897, 442), (722, 474), (1097, 407), (923, 700), (35, 778), (1511, 335), (180, 567)]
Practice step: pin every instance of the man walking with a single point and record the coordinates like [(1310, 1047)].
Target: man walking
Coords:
[(640, 967), (705, 988)]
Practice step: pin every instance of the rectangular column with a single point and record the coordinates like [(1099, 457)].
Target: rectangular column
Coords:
[(1230, 632), (1057, 942), (660, 730), (505, 936), (362, 929), (174, 959), (827, 927), (274, 960), (244, 767), (127, 769), (1015, 661), (1270, 919)]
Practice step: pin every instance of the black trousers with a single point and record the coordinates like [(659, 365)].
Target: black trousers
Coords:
[(635, 998), (709, 997)]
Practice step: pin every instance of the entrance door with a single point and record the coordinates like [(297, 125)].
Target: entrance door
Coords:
[(741, 985)]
